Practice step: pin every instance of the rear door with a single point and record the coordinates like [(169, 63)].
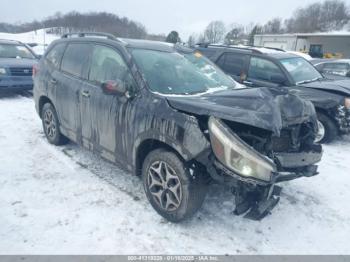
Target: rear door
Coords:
[(74, 71), (263, 72), (233, 64)]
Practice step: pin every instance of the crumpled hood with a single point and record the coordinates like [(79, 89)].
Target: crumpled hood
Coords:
[(264, 108), (339, 86), (17, 62)]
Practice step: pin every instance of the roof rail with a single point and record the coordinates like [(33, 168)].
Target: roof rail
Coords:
[(204, 44), (248, 48), (85, 34), (266, 47)]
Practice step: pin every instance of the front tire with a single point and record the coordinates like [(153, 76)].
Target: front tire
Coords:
[(170, 188), (328, 130), (51, 125)]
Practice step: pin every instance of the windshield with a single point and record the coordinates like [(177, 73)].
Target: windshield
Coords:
[(300, 70), (176, 73), (15, 51)]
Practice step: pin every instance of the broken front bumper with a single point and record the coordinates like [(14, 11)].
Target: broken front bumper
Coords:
[(256, 198), (343, 119), (291, 166)]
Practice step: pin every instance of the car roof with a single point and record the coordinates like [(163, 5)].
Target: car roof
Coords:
[(148, 44), (336, 61), (270, 52), (126, 42)]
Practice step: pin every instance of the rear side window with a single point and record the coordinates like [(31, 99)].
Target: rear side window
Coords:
[(232, 64), (55, 54), (106, 64), (262, 69), (75, 59)]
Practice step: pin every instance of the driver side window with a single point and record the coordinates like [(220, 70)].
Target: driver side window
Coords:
[(107, 64), (264, 70)]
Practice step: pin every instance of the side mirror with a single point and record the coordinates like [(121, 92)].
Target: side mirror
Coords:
[(114, 87), (348, 74), (278, 79)]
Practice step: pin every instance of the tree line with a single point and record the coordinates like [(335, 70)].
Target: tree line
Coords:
[(92, 22), (324, 16), (330, 15)]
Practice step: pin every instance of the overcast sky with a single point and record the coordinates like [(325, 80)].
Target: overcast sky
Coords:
[(159, 16)]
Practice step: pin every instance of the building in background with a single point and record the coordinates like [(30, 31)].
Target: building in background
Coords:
[(327, 45)]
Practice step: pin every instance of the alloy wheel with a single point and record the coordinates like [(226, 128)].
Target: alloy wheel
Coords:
[(49, 123), (164, 185), (321, 132)]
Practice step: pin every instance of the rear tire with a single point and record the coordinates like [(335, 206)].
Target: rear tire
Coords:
[(330, 128), (170, 188), (51, 126)]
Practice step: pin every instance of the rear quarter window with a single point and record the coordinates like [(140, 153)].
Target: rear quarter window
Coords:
[(75, 59)]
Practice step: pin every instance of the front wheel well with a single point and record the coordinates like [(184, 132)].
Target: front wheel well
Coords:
[(327, 113), (42, 101), (145, 148)]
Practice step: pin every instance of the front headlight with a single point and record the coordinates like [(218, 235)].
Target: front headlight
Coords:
[(2, 71), (236, 155), (347, 103)]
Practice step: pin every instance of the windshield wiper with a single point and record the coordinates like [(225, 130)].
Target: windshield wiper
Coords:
[(308, 81)]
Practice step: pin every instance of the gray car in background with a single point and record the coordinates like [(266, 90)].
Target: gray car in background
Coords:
[(334, 69), (16, 66)]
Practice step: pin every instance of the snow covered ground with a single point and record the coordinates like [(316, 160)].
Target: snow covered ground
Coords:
[(65, 200)]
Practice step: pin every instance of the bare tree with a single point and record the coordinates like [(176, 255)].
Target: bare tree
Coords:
[(255, 31), (215, 32), (274, 26), (319, 17), (191, 40), (236, 33)]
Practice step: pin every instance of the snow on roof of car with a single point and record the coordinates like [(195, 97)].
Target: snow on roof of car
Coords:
[(148, 44), (303, 55)]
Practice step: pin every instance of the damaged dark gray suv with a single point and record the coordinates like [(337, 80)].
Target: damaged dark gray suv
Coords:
[(170, 115)]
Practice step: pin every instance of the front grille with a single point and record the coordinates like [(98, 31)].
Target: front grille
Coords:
[(21, 71)]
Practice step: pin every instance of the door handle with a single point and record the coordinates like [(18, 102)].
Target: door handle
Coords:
[(85, 94), (53, 81)]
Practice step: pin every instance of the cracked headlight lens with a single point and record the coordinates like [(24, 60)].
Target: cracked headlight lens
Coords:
[(3, 71), (236, 155), (347, 103)]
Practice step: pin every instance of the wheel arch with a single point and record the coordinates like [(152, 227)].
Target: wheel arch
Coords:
[(327, 113), (148, 145), (42, 101)]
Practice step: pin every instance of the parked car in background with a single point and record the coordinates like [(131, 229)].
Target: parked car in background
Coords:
[(337, 67), (39, 49), (256, 67), (16, 63), (170, 115)]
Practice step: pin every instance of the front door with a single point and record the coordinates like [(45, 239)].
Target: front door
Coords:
[(263, 72), (102, 114)]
